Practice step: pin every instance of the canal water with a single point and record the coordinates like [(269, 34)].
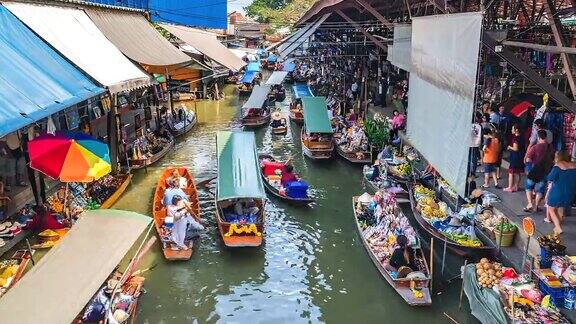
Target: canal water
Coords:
[(312, 266)]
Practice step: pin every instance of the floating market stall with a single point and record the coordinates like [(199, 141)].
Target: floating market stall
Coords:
[(70, 274), (239, 185), (436, 218), (316, 135), (255, 112), (498, 294), (246, 82), (378, 229)]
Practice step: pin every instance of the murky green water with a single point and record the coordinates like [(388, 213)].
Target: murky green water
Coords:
[(312, 266)]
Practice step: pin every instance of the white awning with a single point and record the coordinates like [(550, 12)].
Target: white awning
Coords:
[(257, 97), (207, 44), (58, 287), (293, 43), (71, 32), (277, 77)]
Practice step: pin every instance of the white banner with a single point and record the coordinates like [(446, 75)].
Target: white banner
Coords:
[(442, 84), (399, 52)]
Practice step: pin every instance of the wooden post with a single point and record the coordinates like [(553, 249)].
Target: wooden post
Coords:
[(431, 263), (444, 255)]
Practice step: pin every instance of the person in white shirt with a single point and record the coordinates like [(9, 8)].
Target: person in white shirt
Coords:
[(475, 144)]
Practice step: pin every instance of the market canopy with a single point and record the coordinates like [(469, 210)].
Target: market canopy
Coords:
[(136, 37), (289, 65), (302, 91), (67, 277), (272, 58), (298, 40), (207, 44), (35, 81), (277, 77), (253, 67), (238, 167), (316, 115), (248, 77), (257, 97), (72, 33)]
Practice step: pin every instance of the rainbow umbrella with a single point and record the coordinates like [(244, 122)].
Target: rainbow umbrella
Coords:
[(70, 156)]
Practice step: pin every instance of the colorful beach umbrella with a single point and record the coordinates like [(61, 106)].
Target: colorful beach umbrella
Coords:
[(70, 156)]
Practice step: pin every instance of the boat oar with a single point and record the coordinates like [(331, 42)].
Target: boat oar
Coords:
[(139, 272), (290, 158), (203, 183)]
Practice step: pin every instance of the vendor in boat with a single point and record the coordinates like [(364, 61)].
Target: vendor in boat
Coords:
[(176, 179), (277, 120), (43, 220), (403, 256), (186, 223), (288, 175), (373, 173), (173, 190)]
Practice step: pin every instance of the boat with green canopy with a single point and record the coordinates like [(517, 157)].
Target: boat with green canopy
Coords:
[(316, 135), (239, 192)]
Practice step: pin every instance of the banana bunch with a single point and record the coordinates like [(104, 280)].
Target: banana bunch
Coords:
[(403, 169), (431, 212), (421, 190)]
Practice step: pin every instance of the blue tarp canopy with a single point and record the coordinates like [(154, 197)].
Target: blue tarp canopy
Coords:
[(35, 81), (272, 58), (289, 65), (248, 77), (253, 67), (261, 52), (301, 91), (202, 13)]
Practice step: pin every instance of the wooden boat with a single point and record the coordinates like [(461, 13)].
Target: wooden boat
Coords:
[(233, 79), (255, 113), (274, 191), (373, 187), (352, 157), (256, 121), (185, 126), (402, 285), (21, 258), (245, 89), (454, 247), (140, 164), (239, 180), (118, 193), (283, 127), (159, 212), (297, 116), (316, 150)]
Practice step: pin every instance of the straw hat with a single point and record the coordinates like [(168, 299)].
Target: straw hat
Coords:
[(365, 198), (120, 315), (416, 275), (110, 285), (276, 115)]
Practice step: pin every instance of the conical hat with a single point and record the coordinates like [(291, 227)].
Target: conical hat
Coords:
[(276, 115), (365, 198)]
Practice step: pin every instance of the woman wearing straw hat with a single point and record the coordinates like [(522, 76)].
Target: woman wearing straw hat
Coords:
[(278, 123)]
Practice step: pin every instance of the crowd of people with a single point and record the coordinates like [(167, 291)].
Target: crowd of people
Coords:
[(536, 159)]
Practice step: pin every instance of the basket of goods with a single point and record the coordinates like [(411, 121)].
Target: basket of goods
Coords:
[(550, 245), (504, 232), (488, 273)]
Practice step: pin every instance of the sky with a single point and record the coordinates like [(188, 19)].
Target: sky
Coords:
[(237, 5)]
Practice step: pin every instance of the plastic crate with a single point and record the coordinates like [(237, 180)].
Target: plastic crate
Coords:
[(556, 294)]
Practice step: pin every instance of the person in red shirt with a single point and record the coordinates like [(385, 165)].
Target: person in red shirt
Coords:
[(43, 220), (288, 175)]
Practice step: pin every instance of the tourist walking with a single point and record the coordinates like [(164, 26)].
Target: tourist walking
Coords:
[(516, 168), (491, 151), (537, 161), (475, 143), (562, 180)]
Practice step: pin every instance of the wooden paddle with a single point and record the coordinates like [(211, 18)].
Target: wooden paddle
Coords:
[(203, 183)]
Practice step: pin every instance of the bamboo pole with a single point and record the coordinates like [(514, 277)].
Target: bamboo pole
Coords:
[(431, 263)]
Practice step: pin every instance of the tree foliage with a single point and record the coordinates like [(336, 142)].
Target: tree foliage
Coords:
[(278, 12)]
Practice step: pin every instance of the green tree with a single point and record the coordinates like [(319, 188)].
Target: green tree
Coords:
[(278, 12)]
